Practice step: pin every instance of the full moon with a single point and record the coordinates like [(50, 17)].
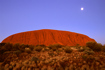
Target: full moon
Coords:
[(82, 8)]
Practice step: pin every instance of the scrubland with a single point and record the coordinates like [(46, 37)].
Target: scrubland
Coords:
[(52, 57)]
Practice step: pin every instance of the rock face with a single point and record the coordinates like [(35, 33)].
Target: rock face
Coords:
[(47, 37)]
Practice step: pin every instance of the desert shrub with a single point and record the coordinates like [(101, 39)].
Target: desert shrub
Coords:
[(28, 50), (103, 48), (84, 56), (86, 50), (94, 46), (26, 46), (51, 46), (22, 47), (35, 59), (54, 47), (77, 46), (8, 46), (51, 53), (17, 52), (46, 49), (81, 49), (2, 57), (38, 48), (63, 64), (15, 47), (42, 45), (90, 44), (31, 47), (58, 45), (98, 47), (2, 44), (3, 49), (59, 50), (88, 58), (89, 52), (68, 50)]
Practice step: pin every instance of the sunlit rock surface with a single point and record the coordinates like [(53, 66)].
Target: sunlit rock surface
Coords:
[(47, 37)]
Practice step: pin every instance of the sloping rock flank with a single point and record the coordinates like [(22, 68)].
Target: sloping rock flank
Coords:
[(47, 37)]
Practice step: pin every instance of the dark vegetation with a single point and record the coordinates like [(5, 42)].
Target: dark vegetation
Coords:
[(10, 47), (90, 46), (95, 46), (9, 51), (54, 47), (7, 48), (38, 48), (68, 50)]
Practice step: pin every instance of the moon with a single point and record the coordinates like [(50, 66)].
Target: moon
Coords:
[(82, 8)]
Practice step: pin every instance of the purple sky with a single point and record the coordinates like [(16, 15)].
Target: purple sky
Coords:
[(26, 15)]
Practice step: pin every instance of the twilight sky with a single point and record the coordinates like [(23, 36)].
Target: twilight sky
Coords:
[(26, 15)]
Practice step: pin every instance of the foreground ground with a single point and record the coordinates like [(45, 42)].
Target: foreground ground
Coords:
[(48, 59)]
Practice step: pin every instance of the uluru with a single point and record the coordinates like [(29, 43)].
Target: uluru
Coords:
[(47, 37), (48, 49)]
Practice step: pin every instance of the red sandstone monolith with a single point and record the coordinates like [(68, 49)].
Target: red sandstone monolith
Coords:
[(47, 37)]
